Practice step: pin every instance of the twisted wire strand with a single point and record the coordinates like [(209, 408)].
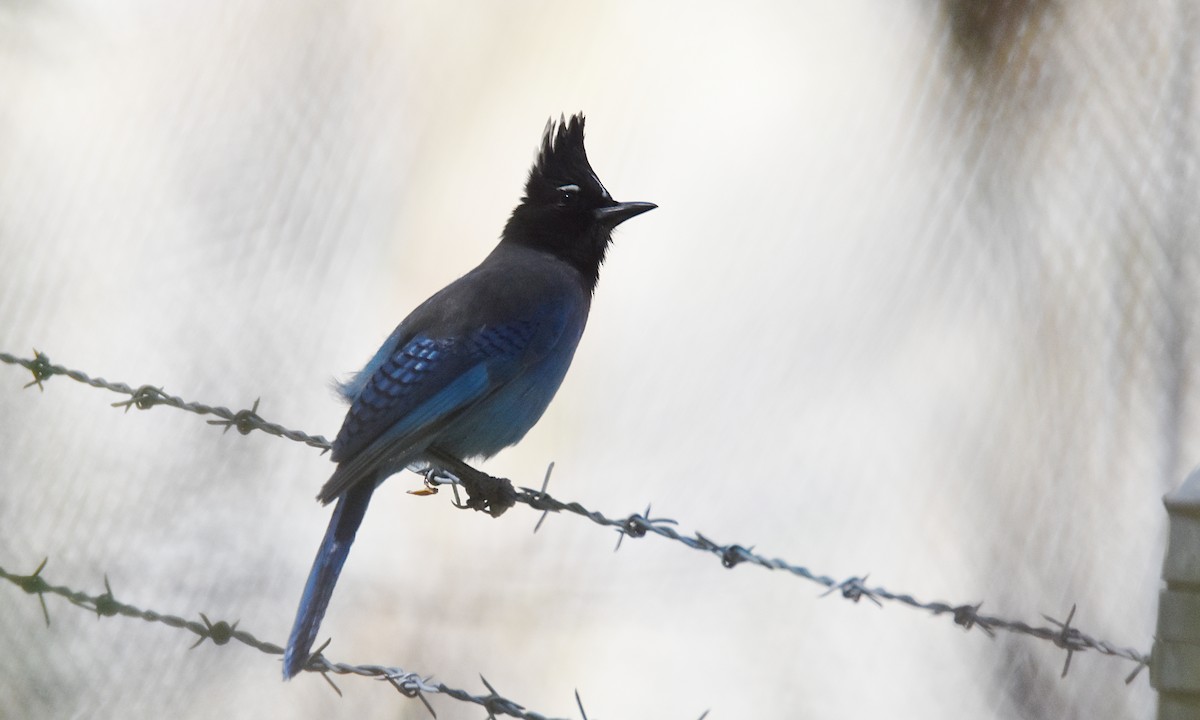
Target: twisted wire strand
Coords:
[(145, 397), (221, 632)]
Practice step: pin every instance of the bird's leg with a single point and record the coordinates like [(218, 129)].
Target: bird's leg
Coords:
[(492, 495), (431, 486)]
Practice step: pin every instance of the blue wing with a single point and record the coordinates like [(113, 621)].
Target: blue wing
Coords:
[(423, 386)]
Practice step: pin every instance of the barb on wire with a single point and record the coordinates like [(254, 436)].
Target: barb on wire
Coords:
[(854, 589), (967, 616), (409, 684), (148, 396)]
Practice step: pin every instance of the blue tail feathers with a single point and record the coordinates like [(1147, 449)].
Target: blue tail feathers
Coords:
[(347, 516)]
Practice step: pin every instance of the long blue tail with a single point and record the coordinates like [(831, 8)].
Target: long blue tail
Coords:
[(324, 574)]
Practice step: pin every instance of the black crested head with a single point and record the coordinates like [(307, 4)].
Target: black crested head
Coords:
[(566, 210)]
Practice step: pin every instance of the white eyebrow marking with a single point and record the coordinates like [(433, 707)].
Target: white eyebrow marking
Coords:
[(568, 188), (603, 190)]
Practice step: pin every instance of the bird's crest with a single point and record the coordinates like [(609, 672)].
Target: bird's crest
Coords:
[(562, 159)]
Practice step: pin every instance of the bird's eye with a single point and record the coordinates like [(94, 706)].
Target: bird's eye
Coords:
[(567, 195)]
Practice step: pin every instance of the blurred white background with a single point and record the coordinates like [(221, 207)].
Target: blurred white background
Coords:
[(918, 301)]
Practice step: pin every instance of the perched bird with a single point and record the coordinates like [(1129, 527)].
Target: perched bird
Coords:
[(471, 370)]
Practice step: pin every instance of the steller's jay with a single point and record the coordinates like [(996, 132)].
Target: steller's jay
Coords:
[(471, 370)]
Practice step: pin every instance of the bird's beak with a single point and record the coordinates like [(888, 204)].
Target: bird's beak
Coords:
[(617, 213)]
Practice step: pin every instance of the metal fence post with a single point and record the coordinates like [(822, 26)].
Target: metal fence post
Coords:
[(1175, 662)]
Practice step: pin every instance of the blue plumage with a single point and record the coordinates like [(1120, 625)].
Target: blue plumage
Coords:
[(473, 368)]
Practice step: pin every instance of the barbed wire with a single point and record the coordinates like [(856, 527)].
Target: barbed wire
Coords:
[(145, 397), (221, 632), (1061, 633)]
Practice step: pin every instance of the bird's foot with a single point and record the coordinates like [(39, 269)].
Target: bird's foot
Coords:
[(492, 495)]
